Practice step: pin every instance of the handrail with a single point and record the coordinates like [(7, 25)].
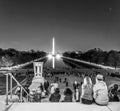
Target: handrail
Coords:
[(19, 84), (8, 72), (16, 85), (22, 88)]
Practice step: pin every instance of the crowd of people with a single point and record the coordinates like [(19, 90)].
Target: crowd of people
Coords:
[(85, 92)]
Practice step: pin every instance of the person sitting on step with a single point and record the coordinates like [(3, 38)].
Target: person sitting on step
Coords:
[(55, 97), (113, 93), (68, 95), (87, 91), (100, 91)]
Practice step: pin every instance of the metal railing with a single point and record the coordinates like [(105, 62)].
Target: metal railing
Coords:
[(16, 86), (11, 89), (8, 73)]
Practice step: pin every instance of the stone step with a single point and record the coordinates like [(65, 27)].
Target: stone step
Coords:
[(63, 107)]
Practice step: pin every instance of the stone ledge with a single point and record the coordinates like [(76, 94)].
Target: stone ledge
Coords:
[(63, 107)]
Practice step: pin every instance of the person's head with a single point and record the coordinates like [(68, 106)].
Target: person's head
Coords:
[(99, 78), (57, 90), (67, 91), (75, 82), (25, 87), (87, 81), (115, 86), (19, 87), (38, 90), (77, 90), (45, 80), (33, 90)]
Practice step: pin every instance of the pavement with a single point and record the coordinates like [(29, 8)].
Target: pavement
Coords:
[(3, 105), (45, 105), (63, 107)]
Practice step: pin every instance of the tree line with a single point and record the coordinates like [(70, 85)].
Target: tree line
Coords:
[(11, 57), (96, 55)]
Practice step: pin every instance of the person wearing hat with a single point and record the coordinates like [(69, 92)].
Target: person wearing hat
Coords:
[(100, 91)]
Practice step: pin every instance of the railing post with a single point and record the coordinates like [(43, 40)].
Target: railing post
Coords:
[(10, 86), (27, 98), (20, 94), (7, 89), (21, 88)]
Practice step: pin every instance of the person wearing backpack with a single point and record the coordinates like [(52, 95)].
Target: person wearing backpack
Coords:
[(100, 91), (87, 91)]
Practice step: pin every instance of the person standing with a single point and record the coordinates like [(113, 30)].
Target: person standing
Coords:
[(46, 86), (77, 95), (75, 86), (18, 92), (67, 83), (100, 91)]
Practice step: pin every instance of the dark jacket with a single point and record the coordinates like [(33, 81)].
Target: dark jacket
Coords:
[(55, 97), (68, 98), (46, 85), (113, 95)]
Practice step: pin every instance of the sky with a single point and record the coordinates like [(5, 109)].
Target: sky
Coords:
[(77, 25)]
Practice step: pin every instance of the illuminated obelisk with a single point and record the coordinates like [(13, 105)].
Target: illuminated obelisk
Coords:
[(53, 53)]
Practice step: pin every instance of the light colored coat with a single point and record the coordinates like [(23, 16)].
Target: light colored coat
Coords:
[(100, 92)]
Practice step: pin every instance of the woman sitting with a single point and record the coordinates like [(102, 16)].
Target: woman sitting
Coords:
[(87, 91)]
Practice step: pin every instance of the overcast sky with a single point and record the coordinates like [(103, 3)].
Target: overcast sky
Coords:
[(76, 24)]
